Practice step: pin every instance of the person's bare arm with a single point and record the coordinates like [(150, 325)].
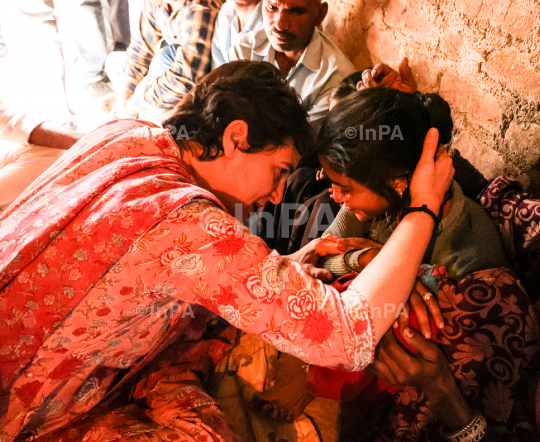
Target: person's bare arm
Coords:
[(49, 134), (402, 254)]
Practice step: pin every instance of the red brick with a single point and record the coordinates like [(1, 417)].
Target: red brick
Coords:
[(513, 69), (478, 106), (409, 16), (519, 21), (489, 162)]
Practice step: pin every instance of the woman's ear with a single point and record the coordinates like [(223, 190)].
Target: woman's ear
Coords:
[(399, 184), (235, 138)]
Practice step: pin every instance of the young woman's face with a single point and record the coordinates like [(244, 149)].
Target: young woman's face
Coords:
[(361, 201)]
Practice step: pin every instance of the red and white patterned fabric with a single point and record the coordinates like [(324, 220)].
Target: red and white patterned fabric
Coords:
[(98, 260)]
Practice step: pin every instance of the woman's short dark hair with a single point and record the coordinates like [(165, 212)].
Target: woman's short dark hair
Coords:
[(347, 86), (255, 92), (376, 135)]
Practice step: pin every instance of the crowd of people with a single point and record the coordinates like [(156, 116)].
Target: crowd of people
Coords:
[(128, 270)]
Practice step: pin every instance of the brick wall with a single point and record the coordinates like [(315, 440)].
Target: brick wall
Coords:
[(482, 56)]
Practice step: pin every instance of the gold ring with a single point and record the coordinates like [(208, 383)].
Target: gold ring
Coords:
[(427, 296)]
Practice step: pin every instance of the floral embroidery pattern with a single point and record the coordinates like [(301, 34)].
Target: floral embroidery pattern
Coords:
[(104, 262)]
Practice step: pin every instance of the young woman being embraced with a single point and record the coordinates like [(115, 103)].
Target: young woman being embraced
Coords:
[(489, 334)]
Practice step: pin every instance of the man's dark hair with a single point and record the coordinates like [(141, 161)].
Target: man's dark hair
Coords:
[(347, 86), (405, 119), (255, 92)]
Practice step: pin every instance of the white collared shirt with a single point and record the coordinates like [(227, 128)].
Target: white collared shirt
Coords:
[(317, 73), (226, 31)]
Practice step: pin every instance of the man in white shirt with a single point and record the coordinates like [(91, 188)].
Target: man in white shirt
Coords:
[(236, 18), (293, 41)]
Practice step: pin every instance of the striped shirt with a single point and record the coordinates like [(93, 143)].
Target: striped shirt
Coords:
[(191, 28)]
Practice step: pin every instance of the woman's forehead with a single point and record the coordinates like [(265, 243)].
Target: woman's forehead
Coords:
[(337, 178)]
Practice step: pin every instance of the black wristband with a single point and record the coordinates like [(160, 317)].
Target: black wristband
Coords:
[(424, 209)]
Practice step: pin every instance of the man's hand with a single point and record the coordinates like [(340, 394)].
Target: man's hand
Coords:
[(384, 76), (427, 370)]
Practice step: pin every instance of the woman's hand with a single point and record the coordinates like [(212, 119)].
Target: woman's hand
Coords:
[(433, 174), (422, 308), (310, 254), (427, 370)]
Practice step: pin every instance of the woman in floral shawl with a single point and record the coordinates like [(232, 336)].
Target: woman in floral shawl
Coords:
[(99, 255)]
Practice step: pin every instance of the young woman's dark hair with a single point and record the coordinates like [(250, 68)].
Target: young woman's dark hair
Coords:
[(376, 135), (255, 92), (347, 86)]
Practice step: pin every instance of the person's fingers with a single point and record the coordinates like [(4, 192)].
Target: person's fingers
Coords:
[(381, 70), (431, 143), (381, 371), (420, 309), (326, 245), (393, 359), (425, 348), (431, 303), (368, 79), (322, 274), (386, 76), (406, 74), (360, 86), (344, 244), (403, 319), (432, 177)]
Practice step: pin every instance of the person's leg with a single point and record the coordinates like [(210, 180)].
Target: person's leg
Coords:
[(20, 166)]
